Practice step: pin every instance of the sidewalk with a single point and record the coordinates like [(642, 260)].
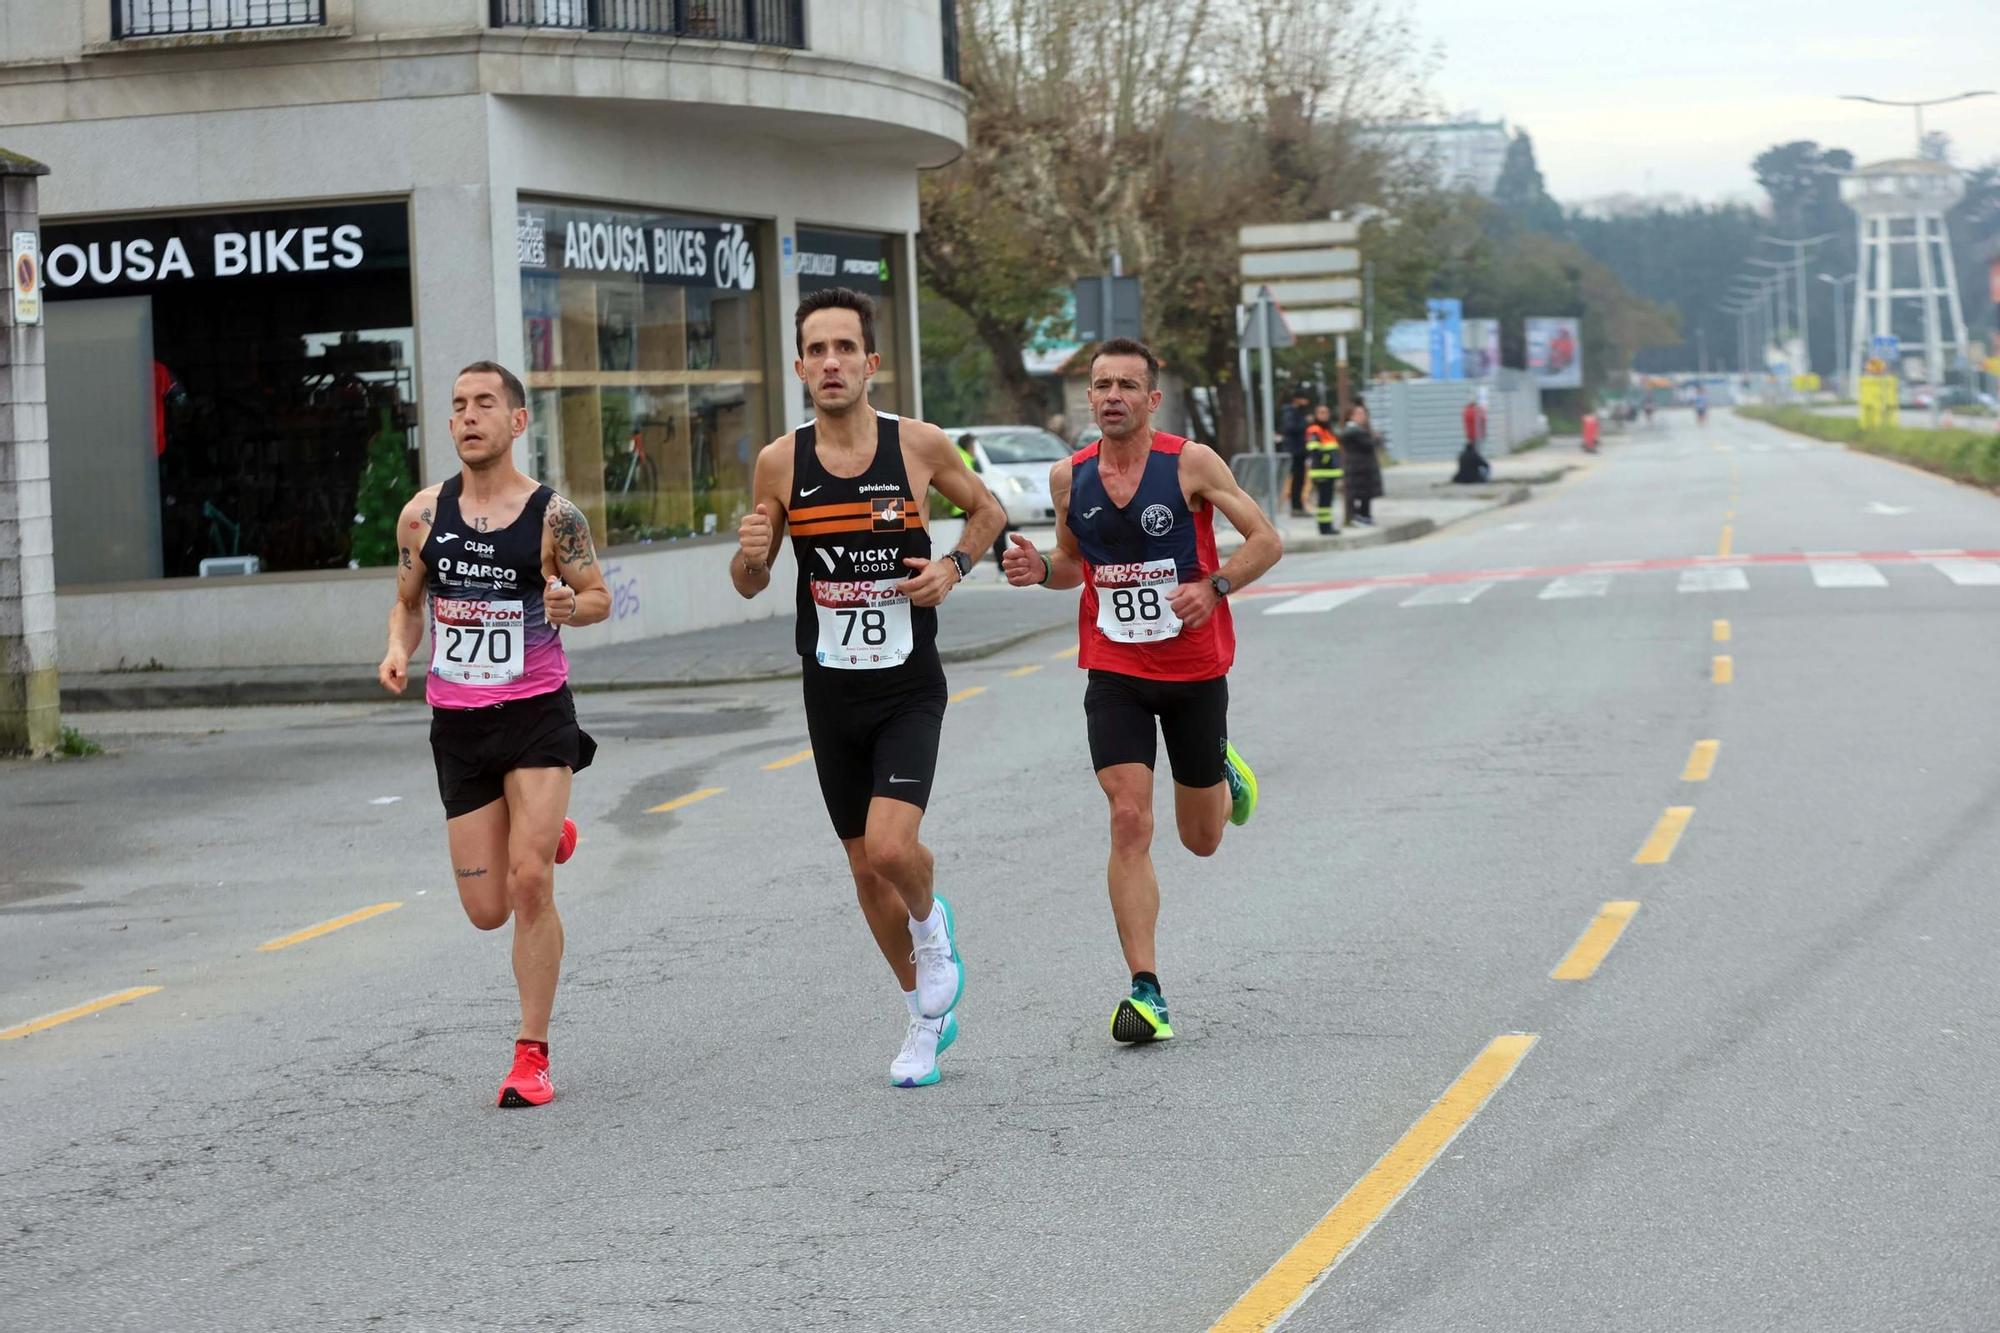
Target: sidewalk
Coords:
[(984, 618)]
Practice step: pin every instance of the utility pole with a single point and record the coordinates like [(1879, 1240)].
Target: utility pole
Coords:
[(30, 707), (1840, 349), (1798, 260)]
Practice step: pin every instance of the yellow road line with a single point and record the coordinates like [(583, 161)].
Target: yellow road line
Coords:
[(680, 801), (1728, 536), (325, 928), (1305, 1265), (47, 1021), (1666, 835), (1701, 761), (1028, 670), (1724, 669), (1722, 631), (788, 761), (1595, 942), (1070, 651), (966, 693)]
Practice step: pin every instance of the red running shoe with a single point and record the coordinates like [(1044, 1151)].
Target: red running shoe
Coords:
[(528, 1082), (566, 844)]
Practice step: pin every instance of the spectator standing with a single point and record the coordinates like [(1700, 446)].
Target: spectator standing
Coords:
[(1292, 440), (1361, 460)]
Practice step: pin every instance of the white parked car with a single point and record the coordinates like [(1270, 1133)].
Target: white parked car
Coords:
[(1014, 463)]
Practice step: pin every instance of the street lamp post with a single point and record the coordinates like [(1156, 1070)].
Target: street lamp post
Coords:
[(1798, 259), (1840, 325), (1918, 106)]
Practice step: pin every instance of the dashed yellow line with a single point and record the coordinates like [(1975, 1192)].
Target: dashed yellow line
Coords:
[(1581, 962), (966, 693), (325, 928), (681, 802), (1028, 670), (47, 1021), (1728, 537), (1701, 761), (1723, 670), (788, 761), (1306, 1264), (1070, 651), (1722, 631), (1666, 835)]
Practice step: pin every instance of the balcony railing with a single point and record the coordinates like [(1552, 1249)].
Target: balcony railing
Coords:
[(763, 22), (174, 18)]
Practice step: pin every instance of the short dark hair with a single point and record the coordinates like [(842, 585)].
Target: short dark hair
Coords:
[(1129, 347), (516, 395), (836, 298)]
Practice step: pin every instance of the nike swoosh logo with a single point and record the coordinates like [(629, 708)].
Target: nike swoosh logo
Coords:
[(894, 778), (809, 490), (1093, 511)]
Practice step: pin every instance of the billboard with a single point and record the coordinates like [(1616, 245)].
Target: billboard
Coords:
[(1555, 351), (1446, 319), (1409, 341), (1482, 348)]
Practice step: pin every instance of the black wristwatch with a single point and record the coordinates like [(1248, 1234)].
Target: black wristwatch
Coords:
[(963, 561), (1220, 584)]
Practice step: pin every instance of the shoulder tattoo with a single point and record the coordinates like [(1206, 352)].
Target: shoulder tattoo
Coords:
[(572, 533)]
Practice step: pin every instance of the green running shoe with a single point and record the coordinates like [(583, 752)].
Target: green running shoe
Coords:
[(1242, 785), (1141, 1017)]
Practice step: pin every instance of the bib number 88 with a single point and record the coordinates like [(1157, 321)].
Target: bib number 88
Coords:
[(1135, 604), (465, 646), (874, 626)]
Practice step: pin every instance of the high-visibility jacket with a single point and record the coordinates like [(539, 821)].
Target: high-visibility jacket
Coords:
[(1322, 454)]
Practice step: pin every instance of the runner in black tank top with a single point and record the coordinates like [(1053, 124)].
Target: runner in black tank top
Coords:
[(854, 488)]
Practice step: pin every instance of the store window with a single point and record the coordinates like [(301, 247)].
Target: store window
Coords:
[(230, 392), (646, 350), (865, 262)]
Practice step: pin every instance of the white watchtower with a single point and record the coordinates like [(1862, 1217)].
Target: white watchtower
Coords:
[(1905, 256)]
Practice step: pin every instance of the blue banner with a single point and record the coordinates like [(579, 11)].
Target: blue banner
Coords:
[(1446, 316)]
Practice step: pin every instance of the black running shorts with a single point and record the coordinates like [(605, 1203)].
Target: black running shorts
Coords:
[(871, 742), (1193, 715), (476, 748)]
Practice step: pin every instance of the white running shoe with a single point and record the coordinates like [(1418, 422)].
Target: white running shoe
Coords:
[(940, 971), (915, 1066)]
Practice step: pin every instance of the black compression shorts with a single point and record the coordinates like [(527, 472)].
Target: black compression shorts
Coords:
[(1193, 715), (476, 748), (868, 743)]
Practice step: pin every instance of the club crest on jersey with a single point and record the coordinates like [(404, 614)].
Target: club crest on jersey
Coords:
[(889, 512), (1158, 520)]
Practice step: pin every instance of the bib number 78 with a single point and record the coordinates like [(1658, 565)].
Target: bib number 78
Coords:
[(1131, 605), (870, 621)]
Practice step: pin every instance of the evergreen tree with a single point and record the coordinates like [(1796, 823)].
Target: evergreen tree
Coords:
[(385, 487), (1521, 193)]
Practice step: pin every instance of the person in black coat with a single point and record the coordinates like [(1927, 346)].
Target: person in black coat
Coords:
[(1292, 424), (1472, 465), (1360, 452)]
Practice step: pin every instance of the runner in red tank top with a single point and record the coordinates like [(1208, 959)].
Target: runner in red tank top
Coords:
[(1135, 530)]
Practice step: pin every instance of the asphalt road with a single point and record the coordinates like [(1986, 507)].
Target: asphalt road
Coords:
[(1768, 1108)]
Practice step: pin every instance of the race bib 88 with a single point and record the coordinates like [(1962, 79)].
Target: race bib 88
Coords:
[(478, 642), (864, 624), (1132, 605)]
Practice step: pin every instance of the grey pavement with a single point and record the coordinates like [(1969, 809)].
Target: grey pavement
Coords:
[(1769, 1109), (1421, 501)]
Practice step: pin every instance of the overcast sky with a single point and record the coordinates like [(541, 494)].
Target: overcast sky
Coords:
[(1676, 96)]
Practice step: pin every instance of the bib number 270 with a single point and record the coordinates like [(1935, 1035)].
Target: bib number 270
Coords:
[(475, 645), (870, 623)]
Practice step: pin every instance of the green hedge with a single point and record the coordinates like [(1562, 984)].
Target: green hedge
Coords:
[(1963, 455)]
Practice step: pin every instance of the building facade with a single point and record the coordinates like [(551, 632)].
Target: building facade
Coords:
[(1460, 155), (273, 230)]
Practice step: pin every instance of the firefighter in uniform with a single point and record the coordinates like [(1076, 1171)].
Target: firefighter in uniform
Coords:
[(1323, 467)]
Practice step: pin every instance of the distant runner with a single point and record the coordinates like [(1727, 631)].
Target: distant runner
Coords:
[(853, 485), (1135, 519), (501, 564)]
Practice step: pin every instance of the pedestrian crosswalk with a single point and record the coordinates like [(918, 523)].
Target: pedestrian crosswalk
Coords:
[(1835, 572)]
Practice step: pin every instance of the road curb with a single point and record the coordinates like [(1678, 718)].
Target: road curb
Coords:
[(138, 691)]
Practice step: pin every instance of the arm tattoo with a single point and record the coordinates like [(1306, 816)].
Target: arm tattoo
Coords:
[(406, 557), (572, 534), (426, 516), (471, 874)]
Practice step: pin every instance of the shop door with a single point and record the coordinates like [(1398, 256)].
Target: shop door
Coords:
[(104, 471)]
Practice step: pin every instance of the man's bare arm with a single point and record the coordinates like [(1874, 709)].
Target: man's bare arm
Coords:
[(762, 530), (1211, 480), (567, 550), (406, 613)]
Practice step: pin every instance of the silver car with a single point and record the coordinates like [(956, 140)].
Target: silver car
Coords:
[(1014, 462)]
